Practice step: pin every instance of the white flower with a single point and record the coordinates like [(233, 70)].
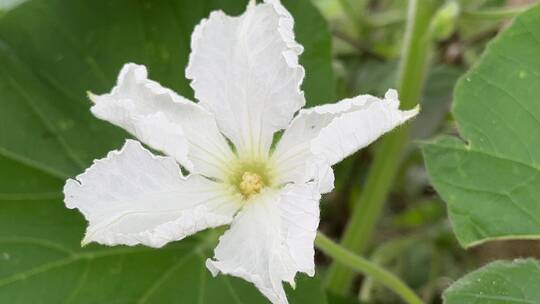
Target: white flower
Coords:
[(246, 76)]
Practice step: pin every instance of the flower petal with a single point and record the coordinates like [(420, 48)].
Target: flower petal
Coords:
[(165, 121), (245, 70), (271, 239), (323, 136), (133, 197)]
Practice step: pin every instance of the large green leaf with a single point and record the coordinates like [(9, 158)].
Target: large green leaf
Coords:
[(41, 262), (498, 283), (491, 182), (51, 53)]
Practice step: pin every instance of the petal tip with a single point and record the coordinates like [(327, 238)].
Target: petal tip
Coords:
[(85, 241), (91, 96), (412, 112), (138, 71), (211, 267), (391, 94), (293, 284)]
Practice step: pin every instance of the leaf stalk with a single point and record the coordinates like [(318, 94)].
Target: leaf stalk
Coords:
[(362, 265)]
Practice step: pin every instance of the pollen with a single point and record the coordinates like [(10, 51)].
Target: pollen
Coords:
[(251, 184)]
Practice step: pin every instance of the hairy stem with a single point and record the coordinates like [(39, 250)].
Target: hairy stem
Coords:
[(416, 52), (374, 271)]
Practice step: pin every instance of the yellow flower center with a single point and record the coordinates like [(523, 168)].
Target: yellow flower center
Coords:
[(251, 184), (249, 177)]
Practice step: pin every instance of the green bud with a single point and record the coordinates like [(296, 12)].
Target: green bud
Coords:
[(444, 21)]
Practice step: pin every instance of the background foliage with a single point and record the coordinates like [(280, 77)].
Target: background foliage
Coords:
[(483, 163)]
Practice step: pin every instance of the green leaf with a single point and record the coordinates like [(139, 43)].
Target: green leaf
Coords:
[(500, 282), (491, 181), (41, 262), (51, 53), (313, 33)]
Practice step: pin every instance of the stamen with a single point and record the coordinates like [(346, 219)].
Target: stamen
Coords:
[(251, 183)]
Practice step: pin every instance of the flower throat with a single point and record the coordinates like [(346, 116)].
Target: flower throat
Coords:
[(250, 178)]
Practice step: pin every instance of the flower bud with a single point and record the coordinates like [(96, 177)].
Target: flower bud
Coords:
[(444, 21)]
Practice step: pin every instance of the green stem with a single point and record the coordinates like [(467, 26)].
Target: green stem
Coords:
[(495, 13), (393, 248), (357, 263), (383, 255), (416, 52)]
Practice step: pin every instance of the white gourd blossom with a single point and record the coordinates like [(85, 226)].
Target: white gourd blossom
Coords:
[(245, 73)]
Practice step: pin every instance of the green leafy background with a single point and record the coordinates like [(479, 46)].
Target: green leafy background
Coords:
[(486, 169), (51, 53)]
